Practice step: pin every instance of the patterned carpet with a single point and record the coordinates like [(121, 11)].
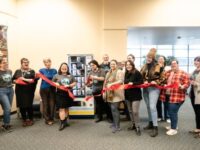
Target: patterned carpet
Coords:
[(84, 134)]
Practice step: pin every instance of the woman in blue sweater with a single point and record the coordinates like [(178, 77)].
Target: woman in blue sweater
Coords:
[(47, 93)]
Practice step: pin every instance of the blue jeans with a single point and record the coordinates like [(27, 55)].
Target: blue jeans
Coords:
[(151, 95), (173, 114), (6, 97)]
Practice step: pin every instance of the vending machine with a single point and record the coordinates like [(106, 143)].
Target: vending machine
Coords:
[(79, 68)]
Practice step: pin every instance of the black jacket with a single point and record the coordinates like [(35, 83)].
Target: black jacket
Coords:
[(133, 94)]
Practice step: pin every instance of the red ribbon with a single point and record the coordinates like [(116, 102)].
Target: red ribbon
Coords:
[(39, 75), (128, 86), (22, 82)]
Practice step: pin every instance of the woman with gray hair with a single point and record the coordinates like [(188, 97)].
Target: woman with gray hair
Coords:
[(47, 92), (195, 95)]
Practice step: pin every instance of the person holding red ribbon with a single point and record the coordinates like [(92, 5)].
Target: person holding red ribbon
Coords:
[(114, 96), (175, 96), (133, 96), (63, 99), (151, 73), (47, 92), (6, 92), (25, 81)]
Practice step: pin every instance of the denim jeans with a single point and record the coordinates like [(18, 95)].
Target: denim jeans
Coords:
[(150, 96), (133, 108), (173, 114), (6, 97), (115, 114)]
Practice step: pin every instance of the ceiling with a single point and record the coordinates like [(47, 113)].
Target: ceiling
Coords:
[(163, 35)]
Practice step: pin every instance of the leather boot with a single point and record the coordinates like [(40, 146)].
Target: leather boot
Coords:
[(149, 126), (138, 131), (62, 125), (132, 127), (154, 131)]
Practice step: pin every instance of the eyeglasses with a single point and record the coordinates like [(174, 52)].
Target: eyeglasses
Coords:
[(25, 62)]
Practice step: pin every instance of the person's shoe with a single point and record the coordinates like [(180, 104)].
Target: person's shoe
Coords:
[(197, 135), (172, 132), (169, 127), (149, 126), (159, 119), (98, 120), (132, 127), (195, 131), (137, 130), (62, 125), (168, 120), (154, 131), (114, 129), (29, 122), (7, 128), (24, 123)]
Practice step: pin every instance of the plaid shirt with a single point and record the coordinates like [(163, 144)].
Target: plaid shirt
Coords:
[(177, 95)]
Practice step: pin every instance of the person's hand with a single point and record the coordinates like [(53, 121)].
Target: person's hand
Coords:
[(67, 86), (109, 85), (153, 82), (145, 82), (57, 84), (130, 83)]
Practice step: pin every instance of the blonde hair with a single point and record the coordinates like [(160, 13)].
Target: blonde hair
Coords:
[(46, 60)]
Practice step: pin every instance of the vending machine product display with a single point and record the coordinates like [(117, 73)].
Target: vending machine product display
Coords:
[(79, 68)]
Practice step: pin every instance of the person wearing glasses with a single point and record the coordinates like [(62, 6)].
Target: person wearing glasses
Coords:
[(25, 92)]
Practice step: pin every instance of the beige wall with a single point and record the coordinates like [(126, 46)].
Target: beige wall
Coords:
[(37, 30)]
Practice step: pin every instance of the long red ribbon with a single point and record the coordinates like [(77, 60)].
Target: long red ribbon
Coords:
[(53, 84), (128, 86), (21, 82)]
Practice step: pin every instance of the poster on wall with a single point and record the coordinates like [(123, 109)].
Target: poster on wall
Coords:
[(3, 41)]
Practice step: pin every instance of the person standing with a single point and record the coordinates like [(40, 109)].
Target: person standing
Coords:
[(151, 73), (114, 97), (25, 93), (47, 92), (175, 96), (63, 100), (97, 76), (195, 95), (133, 96), (6, 92), (160, 104), (105, 65)]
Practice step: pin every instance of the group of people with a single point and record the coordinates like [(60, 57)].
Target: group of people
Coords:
[(105, 76), (153, 72)]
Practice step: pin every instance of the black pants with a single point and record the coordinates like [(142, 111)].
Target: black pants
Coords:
[(27, 113), (166, 109), (101, 107), (48, 100), (197, 112)]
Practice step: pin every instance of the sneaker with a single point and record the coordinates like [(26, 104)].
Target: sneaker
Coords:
[(159, 119), (168, 120), (114, 129), (172, 132), (169, 127)]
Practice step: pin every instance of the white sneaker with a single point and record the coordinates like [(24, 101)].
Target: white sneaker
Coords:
[(169, 127), (159, 119), (172, 132), (168, 121)]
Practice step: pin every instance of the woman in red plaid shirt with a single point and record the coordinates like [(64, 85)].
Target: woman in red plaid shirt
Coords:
[(176, 96)]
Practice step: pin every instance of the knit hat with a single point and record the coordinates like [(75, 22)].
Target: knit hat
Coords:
[(151, 54)]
